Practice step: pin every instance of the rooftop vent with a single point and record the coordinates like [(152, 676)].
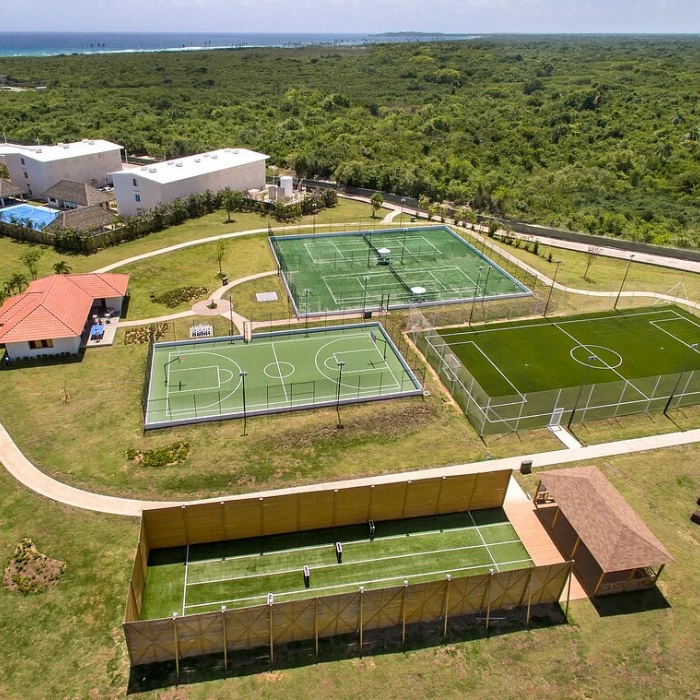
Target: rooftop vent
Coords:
[(197, 160), (214, 155), (235, 150), (39, 150), (92, 143), (171, 162), (206, 155), (65, 145), (179, 165), (152, 170)]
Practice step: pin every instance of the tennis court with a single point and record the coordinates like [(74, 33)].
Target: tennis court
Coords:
[(220, 378), (28, 215), (544, 371), (241, 573), (387, 269)]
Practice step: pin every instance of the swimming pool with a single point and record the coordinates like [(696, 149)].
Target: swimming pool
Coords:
[(28, 215)]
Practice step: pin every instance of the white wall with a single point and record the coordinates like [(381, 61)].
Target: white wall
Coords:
[(95, 169), (70, 345), (242, 177)]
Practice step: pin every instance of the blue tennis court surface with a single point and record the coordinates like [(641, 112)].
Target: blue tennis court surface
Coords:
[(28, 215)]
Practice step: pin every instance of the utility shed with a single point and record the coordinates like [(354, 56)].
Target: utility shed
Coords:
[(613, 548)]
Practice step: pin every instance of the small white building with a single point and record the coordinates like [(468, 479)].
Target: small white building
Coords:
[(34, 169), (141, 189), (54, 314)]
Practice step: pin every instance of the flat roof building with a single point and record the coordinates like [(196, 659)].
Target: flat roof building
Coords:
[(143, 188), (34, 169)]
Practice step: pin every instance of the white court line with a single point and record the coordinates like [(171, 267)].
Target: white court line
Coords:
[(199, 388), (483, 540), (347, 564), (671, 320), (279, 371), (358, 583)]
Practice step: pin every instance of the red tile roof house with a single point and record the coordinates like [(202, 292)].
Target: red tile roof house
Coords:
[(54, 314)]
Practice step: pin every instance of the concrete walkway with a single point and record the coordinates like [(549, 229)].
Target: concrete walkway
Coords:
[(31, 477)]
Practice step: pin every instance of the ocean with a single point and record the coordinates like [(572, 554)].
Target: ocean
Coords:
[(57, 43)]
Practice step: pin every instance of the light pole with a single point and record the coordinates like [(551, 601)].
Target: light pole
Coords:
[(243, 375), (403, 201), (624, 279), (551, 289), (364, 294), (341, 364), (591, 358), (476, 291), (306, 316), (691, 350), (230, 311), (313, 207)]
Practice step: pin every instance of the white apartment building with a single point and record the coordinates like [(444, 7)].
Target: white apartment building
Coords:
[(34, 169), (143, 188)]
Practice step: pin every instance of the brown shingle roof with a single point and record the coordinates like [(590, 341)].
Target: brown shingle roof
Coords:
[(614, 534), (78, 192), (85, 219), (7, 189)]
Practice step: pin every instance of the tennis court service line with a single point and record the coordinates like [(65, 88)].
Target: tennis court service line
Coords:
[(348, 564), (358, 583), (481, 537), (279, 371)]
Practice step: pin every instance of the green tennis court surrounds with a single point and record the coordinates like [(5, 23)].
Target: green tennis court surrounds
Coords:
[(218, 378), (387, 269), (528, 374), (241, 573)]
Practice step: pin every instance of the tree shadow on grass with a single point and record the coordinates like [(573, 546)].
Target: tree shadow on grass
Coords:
[(468, 628)]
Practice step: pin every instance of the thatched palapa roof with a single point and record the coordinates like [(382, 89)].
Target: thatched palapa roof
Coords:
[(613, 533), (85, 219), (77, 192), (7, 189)]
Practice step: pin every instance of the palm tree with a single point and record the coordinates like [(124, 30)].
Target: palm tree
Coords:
[(663, 151), (18, 281), (376, 201), (693, 134), (3, 297), (61, 268)]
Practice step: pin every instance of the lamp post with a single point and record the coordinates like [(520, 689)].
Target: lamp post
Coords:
[(230, 311), (306, 304), (624, 279), (691, 350), (476, 291), (243, 375), (341, 364), (551, 289), (403, 201), (591, 358)]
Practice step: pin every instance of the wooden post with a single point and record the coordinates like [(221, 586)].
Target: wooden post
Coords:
[(335, 498), (298, 514), (446, 603), (629, 578), (223, 634), (537, 492), (371, 500), (223, 520), (316, 624), (437, 503), (556, 516), (177, 645), (568, 589), (262, 516), (270, 601), (362, 597), (183, 510), (488, 606), (576, 544), (658, 573), (405, 498), (527, 586), (529, 600), (600, 580), (403, 612)]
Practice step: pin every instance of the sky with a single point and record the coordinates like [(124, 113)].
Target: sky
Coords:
[(359, 16)]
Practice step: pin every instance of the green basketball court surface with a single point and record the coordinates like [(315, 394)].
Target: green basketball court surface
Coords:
[(599, 365), (219, 378), (387, 269), (241, 573)]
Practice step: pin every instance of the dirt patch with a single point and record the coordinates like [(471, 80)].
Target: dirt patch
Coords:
[(143, 334), (30, 571)]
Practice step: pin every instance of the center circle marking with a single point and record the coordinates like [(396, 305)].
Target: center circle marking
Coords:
[(605, 358), (279, 370)]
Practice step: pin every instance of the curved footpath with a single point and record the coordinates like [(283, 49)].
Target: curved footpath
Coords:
[(27, 474), (31, 477)]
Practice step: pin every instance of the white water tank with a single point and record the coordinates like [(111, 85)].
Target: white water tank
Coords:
[(287, 185)]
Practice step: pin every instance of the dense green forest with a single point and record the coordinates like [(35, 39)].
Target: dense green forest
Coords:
[(600, 134)]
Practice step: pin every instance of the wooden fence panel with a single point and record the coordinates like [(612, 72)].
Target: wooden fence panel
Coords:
[(150, 641), (280, 514), (548, 582), (200, 634), (424, 601), (204, 523), (247, 628), (338, 614), (387, 501), (382, 607), (243, 518), (315, 510), (467, 594), (293, 620), (456, 493), (490, 490), (422, 497), (351, 506), (508, 588), (165, 527)]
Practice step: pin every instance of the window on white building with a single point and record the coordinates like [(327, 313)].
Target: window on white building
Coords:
[(137, 197), (38, 344), (133, 180)]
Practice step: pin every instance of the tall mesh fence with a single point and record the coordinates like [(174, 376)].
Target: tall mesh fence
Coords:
[(537, 409)]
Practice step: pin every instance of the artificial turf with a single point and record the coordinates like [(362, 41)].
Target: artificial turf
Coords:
[(334, 272), (240, 573)]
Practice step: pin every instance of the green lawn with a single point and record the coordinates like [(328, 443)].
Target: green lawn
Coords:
[(243, 572), (246, 304)]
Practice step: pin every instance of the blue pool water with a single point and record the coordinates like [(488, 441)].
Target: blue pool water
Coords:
[(26, 214)]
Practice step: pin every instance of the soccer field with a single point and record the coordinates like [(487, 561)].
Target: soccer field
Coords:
[(241, 573), (387, 269), (219, 378), (533, 373)]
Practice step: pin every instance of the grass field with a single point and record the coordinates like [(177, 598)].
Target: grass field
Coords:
[(241, 573), (387, 269), (273, 372), (532, 369)]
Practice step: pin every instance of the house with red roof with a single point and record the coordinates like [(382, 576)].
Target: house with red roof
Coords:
[(56, 314)]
